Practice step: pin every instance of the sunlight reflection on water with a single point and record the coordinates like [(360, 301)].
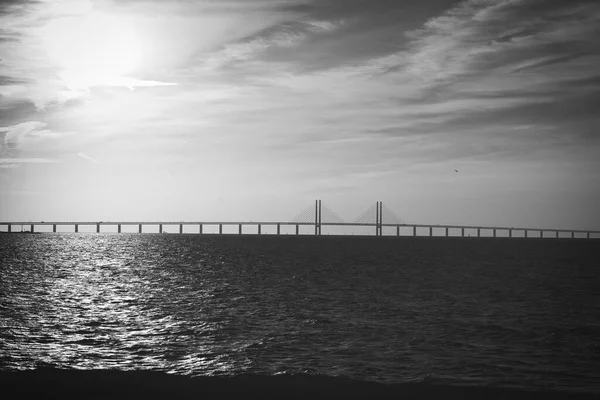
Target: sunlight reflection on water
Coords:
[(452, 311), (106, 306)]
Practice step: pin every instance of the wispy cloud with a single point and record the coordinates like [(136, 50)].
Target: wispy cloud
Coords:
[(465, 81), (30, 131), (286, 35), (16, 161), (481, 36), (16, 134), (29, 142), (89, 158), (480, 56)]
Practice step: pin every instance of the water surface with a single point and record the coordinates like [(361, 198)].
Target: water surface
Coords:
[(497, 312)]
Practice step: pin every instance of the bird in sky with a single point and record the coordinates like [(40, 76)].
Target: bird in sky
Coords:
[(455, 170)]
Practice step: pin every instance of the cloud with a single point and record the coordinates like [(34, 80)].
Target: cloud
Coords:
[(9, 161), (285, 35), (16, 6), (88, 158), (8, 80), (483, 35), (16, 134), (410, 81), (478, 71), (27, 138), (19, 133)]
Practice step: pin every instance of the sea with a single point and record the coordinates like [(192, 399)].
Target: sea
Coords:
[(506, 313)]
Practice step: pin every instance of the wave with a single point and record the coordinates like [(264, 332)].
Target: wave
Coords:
[(86, 384)]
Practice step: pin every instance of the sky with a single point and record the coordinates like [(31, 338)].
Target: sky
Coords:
[(477, 112)]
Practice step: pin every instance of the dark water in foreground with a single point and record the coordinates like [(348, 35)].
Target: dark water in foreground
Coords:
[(497, 312)]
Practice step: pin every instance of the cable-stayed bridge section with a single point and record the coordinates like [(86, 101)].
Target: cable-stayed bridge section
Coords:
[(378, 216)]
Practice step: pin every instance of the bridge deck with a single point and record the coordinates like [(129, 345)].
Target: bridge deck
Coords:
[(479, 228)]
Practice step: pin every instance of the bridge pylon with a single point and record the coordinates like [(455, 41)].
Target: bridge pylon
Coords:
[(318, 215), (378, 215)]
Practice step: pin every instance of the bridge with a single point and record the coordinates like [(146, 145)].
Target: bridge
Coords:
[(378, 216)]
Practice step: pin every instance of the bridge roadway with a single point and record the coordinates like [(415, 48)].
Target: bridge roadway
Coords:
[(572, 233)]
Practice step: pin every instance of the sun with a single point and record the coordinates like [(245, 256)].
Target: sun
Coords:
[(93, 49)]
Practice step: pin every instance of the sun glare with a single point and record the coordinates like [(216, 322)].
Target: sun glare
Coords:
[(93, 49)]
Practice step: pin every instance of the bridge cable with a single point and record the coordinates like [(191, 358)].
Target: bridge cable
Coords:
[(367, 217), (389, 217), (328, 215), (306, 215)]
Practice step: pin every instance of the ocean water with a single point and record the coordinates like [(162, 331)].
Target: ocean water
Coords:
[(484, 312)]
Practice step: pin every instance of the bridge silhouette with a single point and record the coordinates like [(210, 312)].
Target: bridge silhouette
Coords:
[(378, 216)]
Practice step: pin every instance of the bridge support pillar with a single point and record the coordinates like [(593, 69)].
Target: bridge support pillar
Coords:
[(462, 232), (159, 228), (447, 229), (200, 229), (320, 219), (220, 229), (180, 229), (9, 228), (140, 228), (587, 235), (430, 231), (556, 234), (259, 229), (76, 228), (414, 231), (478, 232), (297, 229), (32, 227), (526, 233), (279, 229), (119, 228), (316, 217), (510, 233), (379, 219), (572, 235), (54, 228), (240, 229), (397, 230), (97, 228), (494, 232)]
